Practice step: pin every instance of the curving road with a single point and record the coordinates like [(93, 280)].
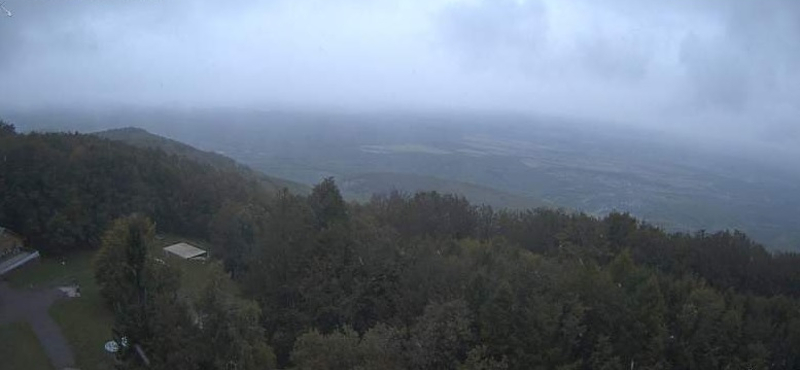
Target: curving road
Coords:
[(31, 306)]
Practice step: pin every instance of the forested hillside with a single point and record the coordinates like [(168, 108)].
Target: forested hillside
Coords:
[(679, 183), (62, 190), (143, 139), (422, 281), (431, 282)]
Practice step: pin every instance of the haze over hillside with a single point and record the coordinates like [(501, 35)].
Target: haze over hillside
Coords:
[(400, 185), (401, 281), (681, 112), (503, 160), (725, 71)]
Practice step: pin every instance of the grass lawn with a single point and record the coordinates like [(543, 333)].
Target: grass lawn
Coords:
[(84, 321), (194, 274), (49, 272), (20, 349)]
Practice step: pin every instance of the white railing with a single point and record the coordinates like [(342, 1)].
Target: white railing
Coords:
[(18, 262)]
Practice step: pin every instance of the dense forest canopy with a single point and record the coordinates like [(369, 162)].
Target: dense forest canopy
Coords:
[(143, 139), (403, 281), (62, 190)]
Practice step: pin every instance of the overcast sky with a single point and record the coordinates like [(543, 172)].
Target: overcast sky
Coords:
[(725, 66)]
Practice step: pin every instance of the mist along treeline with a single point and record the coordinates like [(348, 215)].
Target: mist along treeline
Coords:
[(424, 281)]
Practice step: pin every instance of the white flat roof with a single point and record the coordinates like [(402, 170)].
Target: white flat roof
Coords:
[(185, 250)]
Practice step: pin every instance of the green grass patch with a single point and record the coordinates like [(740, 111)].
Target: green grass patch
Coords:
[(86, 323), (194, 273), (20, 349), (49, 272)]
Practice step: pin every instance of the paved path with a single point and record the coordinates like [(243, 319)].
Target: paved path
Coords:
[(31, 306)]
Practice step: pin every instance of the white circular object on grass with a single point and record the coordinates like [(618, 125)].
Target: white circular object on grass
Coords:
[(111, 346)]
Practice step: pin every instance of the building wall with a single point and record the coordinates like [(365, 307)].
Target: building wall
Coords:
[(9, 242)]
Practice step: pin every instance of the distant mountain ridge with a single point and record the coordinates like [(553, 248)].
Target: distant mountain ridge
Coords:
[(142, 138), (354, 187), (679, 183), (62, 190)]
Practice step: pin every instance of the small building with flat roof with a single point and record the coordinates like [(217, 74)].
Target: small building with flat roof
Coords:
[(186, 251)]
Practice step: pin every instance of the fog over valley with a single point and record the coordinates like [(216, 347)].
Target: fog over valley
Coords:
[(727, 71), (713, 84), (399, 184), (503, 160)]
